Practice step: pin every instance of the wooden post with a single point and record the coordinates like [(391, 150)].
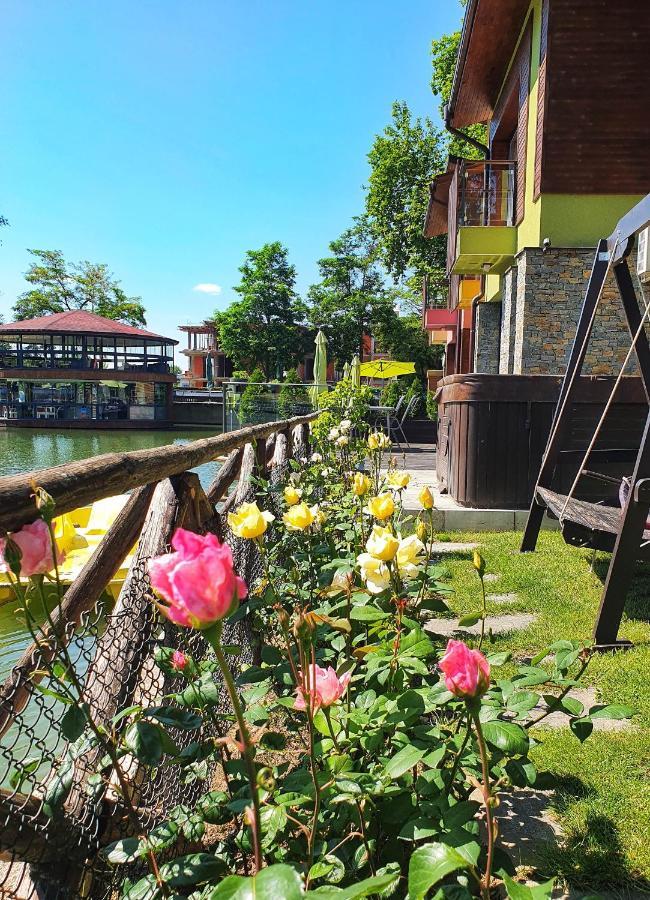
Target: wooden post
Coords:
[(225, 476)]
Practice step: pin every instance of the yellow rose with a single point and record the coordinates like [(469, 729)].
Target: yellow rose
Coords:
[(426, 498), (248, 521), (382, 543), (300, 516), (374, 572), (422, 530), (398, 480), (382, 507), (292, 495), (361, 484), (411, 556), (321, 518), (378, 441)]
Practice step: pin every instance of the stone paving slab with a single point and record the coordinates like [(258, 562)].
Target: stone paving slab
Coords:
[(491, 577), (588, 697), (442, 547), (498, 624), (501, 598)]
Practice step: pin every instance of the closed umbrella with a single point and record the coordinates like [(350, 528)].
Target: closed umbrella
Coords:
[(320, 367), (346, 371), (355, 367)]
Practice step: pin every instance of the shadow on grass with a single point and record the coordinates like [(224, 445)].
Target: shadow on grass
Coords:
[(590, 857), (637, 605)]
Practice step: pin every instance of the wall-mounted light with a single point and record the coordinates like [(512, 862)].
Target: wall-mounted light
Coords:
[(486, 267)]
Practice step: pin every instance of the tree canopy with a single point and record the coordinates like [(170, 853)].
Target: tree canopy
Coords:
[(266, 327), (58, 286), (351, 296)]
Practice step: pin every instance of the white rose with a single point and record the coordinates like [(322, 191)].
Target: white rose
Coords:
[(334, 433), (316, 458), (345, 425), (343, 441), (374, 572)]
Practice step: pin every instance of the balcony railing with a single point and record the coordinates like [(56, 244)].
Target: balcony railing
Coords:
[(486, 192)]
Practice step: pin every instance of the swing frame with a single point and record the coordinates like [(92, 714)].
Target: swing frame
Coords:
[(621, 532)]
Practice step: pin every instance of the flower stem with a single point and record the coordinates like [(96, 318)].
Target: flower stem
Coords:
[(487, 800), (213, 636)]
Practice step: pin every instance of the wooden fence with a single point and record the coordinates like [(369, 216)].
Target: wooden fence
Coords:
[(57, 857)]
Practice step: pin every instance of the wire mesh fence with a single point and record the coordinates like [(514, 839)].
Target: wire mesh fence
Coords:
[(54, 854)]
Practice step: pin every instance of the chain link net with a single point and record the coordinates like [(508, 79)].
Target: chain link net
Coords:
[(112, 653)]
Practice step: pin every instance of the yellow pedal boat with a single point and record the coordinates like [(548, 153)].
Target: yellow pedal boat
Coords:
[(78, 533)]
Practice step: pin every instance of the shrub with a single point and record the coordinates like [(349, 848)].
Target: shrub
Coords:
[(293, 399), (432, 407), (249, 402)]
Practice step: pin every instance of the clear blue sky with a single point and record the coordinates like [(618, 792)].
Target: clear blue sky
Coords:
[(166, 138)]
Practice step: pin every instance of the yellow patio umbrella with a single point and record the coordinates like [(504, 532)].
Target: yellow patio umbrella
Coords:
[(385, 368), (320, 368), (354, 370)]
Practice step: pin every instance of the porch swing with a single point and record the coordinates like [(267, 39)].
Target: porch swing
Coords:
[(623, 532)]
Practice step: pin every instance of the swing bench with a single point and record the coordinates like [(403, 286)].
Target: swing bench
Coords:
[(623, 532)]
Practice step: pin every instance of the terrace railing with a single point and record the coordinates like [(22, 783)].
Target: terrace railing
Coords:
[(58, 856)]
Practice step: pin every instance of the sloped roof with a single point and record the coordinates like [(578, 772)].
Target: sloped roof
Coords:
[(79, 321)]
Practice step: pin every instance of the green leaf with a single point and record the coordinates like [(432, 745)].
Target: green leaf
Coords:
[(59, 786), (196, 868), (367, 614), (613, 711), (144, 741), (200, 694), (73, 723), (23, 770), (365, 888), (429, 865), (521, 702), (506, 736), (123, 851), (407, 757), (469, 620), (499, 659), (184, 719), (582, 728), (518, 891), (569, 705), (272, 883)]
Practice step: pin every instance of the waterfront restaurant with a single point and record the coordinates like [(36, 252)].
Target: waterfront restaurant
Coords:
[(75, 369)]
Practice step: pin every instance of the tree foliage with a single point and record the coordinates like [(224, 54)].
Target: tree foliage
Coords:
[(403, 160), (264, 328), (351, 296), (404, 338), (58, 286)]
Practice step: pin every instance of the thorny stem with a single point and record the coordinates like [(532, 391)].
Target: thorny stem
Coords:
[(484, 616), (487, 801), (213, 636), (309, 673), (460, 752)]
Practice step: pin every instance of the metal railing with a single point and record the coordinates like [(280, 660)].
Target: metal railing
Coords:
[(486, 192)]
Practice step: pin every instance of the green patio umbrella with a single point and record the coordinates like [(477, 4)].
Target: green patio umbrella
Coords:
[(320, 367), (346, 371), (355, 370)]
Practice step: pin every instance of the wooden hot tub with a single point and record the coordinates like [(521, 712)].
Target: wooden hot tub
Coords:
[(492, 432)]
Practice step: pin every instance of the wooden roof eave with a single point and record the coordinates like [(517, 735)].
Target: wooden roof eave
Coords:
[(491, 29)]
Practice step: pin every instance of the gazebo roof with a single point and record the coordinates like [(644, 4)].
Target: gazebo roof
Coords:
[(79, 321)]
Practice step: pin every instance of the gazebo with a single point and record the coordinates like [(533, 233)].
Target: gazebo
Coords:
[(75, 369)]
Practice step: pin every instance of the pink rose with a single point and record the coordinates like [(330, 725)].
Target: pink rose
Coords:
[(467, 672), (35, 547), (179, 660), (324, 687), (198, 581)]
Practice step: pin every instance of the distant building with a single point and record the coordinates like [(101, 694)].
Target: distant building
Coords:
[(75, 369), (206, 363)]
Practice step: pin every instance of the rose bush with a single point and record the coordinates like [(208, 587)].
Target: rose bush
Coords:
[(363, 754)]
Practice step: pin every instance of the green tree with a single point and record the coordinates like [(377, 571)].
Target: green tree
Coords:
[(264, 328), (293, 399), (444, 53), (58, 286), (403, 160), (404, 338), (351, 296)]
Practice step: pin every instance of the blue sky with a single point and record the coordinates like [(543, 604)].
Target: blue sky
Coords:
[(166, 138)]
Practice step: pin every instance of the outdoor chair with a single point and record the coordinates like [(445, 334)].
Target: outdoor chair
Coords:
[(396, 422)]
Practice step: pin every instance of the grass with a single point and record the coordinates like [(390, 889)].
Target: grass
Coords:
[(603, 798)]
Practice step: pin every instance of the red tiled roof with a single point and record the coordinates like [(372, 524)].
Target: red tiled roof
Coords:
[(78, 321)]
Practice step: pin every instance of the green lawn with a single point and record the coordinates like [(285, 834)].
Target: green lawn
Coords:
[(603, 803)]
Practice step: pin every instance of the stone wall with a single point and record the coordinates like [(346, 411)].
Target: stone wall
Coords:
[(487, 338), (542, 298), (508, 311)]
